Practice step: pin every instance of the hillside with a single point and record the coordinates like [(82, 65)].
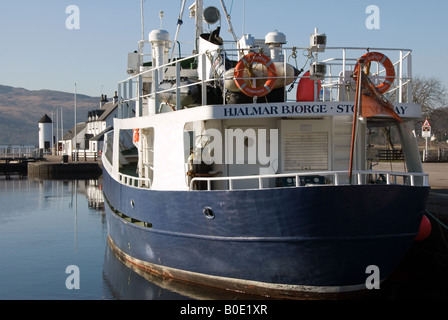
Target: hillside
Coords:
[(21, 110)]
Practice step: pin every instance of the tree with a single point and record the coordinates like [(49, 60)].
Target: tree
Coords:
[(430, 93), (439, 123)]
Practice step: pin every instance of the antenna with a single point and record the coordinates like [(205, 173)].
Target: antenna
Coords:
[(179, 23), (244, 16), (228, 21), (143, 23), (161, 13)]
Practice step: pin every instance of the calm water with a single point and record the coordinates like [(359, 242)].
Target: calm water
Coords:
[(46, 226)]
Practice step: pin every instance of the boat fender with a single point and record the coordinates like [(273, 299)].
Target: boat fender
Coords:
[(424, 230), (306, 87), (245, 63), (387, 64)]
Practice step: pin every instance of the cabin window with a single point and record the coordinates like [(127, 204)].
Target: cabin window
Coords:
[(109, 146), (129, 153)]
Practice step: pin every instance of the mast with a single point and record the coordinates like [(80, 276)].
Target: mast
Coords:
[(75, 137), (62, 127), (228, 21), (143, 23), (179, 23), (199, 12), (141, 43), (355, 117)]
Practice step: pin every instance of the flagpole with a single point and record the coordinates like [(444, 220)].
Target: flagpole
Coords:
[(75, 137), (355, 117)]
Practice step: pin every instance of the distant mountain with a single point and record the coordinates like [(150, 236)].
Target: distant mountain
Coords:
[(21, 110)]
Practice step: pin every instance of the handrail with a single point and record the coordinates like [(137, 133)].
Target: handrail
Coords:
[(342, 60), (390, 178), (133, 181), (128, 180), (13, 151)]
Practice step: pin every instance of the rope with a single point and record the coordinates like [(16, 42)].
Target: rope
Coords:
[(436, 219), (441, 224)]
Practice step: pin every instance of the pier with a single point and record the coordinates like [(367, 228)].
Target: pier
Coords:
[(58, 167), (14, 159), (33, 162), (13, 166)]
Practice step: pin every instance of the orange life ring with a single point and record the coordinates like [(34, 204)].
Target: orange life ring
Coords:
[(241, 82), (387, 64), (135, 137)]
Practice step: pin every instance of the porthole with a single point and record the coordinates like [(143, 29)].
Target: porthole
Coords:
[(208, 212)]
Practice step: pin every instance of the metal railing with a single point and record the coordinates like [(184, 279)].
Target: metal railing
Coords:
[(434, 155), (84, 155), (125, 179), (335, 178), (133, 181), (128, 180), (340, 62), (17, 151)]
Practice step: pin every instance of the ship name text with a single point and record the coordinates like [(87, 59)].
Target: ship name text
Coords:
[(294, 109)]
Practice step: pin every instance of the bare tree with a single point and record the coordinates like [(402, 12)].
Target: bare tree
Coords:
[(430, 93), (439, 123)]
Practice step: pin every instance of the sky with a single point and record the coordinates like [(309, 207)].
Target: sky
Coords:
[(39, 50)]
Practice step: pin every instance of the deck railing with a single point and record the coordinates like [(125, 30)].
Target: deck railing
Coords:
[(336, 84), (323, 177), (133, 181), (128, 180)]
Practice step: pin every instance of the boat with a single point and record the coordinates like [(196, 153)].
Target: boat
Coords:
[(215, 174)]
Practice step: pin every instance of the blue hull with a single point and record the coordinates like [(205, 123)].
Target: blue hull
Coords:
[(278, 242)]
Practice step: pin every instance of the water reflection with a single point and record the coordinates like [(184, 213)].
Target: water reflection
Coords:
[(125, 281), (45, 226), (94, 192)]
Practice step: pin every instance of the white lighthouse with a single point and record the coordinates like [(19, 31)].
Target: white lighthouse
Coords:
[(45, 133)]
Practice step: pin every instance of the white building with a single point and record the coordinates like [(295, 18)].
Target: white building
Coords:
[(70, 143), (100, 121), (45, 133), (89, 134)]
